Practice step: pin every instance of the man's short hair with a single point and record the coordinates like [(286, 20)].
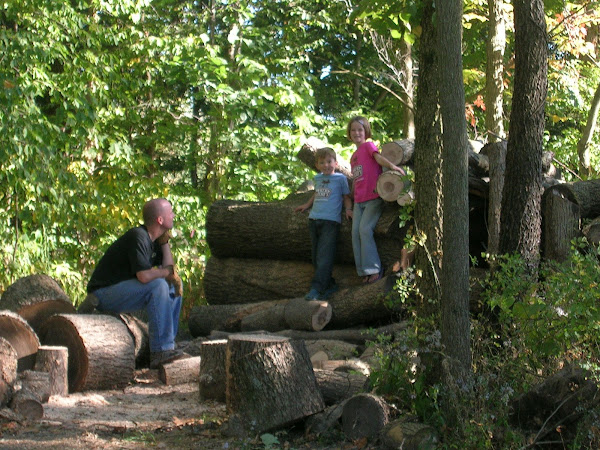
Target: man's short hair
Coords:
[(153, 209), (324, 152)]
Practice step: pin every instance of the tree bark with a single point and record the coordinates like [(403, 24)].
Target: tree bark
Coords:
[(583, 144), (186, 370), (585, 194), (494, 74), (364, 415), (521, 199), (296, 314), (561, 224), (35, 298), (249, 280), (270, 383), (212, 379), (338, 386), (141, 338), (101, 349), (497, 157), (21, 336), (272, 230), (54, 361)]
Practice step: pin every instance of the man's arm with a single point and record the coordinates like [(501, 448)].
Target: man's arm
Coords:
[(166, 269)]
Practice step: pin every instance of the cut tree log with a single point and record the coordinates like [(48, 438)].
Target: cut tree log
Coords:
[(399, 152), (141, 338), (38, 383), (101, 349), (364, 416), (8, 370), (54, 360), (391, 185), (496, 153), (307, 154), (21, 336), (409, 435), (272, 230), (35, 298), (354, 336), (592, 232), (27, 405), (270, 384), (250, 280), (331, 348), (295, 314), (186, 370), (338, 386), (344, 365), (560, 224), (585, 194), (212, 379)]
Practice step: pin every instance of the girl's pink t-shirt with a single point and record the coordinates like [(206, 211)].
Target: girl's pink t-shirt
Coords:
[(365, 171)]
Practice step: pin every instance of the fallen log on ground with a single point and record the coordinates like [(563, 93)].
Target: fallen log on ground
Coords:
[(296, 314), (21, 336), (272, 230), (101, 349), (140, 334), (338, 386), (186, 370), (35, 298), (270, 384), (585, 194), (250, 280)]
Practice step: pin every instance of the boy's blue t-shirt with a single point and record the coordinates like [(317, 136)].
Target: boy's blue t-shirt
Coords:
[(329, 198)]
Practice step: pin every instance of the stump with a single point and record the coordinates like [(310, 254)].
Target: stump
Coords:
[(391, 185), (21, 336), (270, 383), (101, 350), (35, 298), (212, 370), (186, 370), (399, 152), (55, 361), (364, 415)]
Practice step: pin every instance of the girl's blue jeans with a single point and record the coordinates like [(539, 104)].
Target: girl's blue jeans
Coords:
[(157, 297), (364, 220)]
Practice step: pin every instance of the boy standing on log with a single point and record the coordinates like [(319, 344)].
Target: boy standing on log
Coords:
[(331, 193), (137, 272)]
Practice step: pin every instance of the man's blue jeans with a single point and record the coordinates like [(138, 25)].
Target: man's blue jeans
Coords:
[(364, 219), (323, 237), (157, 297)]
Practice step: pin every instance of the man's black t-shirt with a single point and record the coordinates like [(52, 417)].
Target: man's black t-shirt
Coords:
[(131, 253)]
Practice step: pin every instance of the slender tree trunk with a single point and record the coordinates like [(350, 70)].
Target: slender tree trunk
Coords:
[(455, 260), (407, 95), (428, 165), (586, 137), (494, 78), (520, 223)]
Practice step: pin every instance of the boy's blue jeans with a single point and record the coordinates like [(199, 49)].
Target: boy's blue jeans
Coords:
[(157, 297), (364, 219), (323, 237)]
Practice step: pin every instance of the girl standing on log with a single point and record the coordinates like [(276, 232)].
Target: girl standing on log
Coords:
[(366, 164), (331, 192)]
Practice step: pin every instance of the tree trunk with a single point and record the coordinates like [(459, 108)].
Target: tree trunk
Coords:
[(583, 144), (364, 415), (272, 230), (494, 74), (54, 361), (338, 386), (455, 324), (561, 223), (428, 166), (212, 379), (585, 194), (521, 199), (270, 384), (186, 370), (497, 157), (101, 349), (21, 336), (35, 298), (249, 280)]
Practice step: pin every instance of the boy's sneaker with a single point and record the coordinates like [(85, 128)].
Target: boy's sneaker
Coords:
[(329, 292), (313, 294)]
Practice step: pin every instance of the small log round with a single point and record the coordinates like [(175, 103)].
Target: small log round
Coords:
[(270, 383), (307, 315), (54, 361), (27, 404), (21, 336), (8, 361), (338, 386), (212, 370), (390, 185), (35, 298), (36, 382), (186, 370), (101, 349), (399, 152), (408, 435), (364, 415)]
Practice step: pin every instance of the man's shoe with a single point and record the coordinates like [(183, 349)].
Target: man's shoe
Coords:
[(157, 359), (313, 294), (329, 292), (88, 305)]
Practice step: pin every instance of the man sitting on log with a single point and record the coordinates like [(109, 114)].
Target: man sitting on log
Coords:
[(137, 272)]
